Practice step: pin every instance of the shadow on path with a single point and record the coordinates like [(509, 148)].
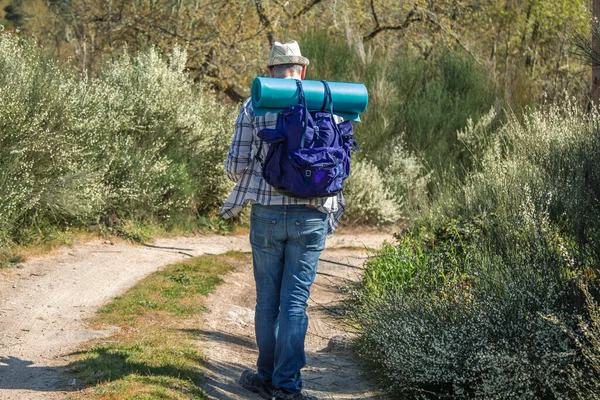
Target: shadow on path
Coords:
[(16, 373), (222, 337), (225, 389), (220, 379)]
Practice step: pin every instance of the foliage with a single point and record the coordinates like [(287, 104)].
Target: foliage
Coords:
[(46, 167), (224, 37), (417, 109), (369, 202), (525, 45), (430, 67), (167, 140), (530, 47), (425, 120), (140, 141), (431, 103), (494, 293)]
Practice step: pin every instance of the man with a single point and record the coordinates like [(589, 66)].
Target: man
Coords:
[(287, 235)]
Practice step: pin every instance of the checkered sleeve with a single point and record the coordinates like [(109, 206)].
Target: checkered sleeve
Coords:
[(240, 151)]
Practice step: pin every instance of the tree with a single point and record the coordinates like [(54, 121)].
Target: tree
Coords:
[(524, 44), (226, 39)]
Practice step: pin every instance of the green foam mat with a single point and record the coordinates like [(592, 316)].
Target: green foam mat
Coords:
[(276, 94)]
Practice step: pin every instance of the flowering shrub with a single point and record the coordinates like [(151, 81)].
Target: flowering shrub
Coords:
[(376, 197), (140, 140), (47, 171), (495, 293), (166, 139), (368, 200)]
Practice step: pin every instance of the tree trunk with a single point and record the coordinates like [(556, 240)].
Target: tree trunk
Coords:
[(596, 48)]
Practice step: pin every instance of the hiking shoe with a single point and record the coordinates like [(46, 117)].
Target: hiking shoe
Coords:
[(281, 395), (251, 381)]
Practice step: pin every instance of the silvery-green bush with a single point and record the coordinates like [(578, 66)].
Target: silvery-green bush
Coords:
[(368, 200), (405, 176), (165, 139), (495, 293), (140, 140), (47, 166), (383, 197)]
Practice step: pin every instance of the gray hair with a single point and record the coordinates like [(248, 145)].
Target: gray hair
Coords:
[(281, 69)]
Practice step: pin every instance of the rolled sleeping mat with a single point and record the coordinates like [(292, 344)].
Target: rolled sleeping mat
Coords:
[(276, 94)]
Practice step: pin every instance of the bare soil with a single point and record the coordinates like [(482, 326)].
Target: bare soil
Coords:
[(45, 302)]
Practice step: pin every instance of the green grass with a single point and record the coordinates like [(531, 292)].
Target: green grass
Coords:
[(155, 354)]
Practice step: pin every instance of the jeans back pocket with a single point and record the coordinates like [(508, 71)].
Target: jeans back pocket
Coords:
[(312, 233), (261, 232)]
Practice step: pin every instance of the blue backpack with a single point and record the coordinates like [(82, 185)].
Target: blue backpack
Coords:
[(309, 153)]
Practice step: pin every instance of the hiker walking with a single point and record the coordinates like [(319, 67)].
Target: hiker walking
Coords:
[(287, 235)]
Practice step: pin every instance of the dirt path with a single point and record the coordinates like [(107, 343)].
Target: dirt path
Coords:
[(44, 304)]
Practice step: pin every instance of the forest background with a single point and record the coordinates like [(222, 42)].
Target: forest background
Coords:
[(432, 68), (480, 140)]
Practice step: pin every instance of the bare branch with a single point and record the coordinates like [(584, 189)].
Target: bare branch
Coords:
[(215, 84), (247, 38), (374, 14), (410, 18), (584, 47), (283, 8), (306, 8), (265, 21), (232, 93)]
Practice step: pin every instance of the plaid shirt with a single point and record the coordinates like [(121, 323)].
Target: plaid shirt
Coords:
[(244, 169)]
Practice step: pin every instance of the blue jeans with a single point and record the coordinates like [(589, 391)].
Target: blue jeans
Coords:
[(286, 244)]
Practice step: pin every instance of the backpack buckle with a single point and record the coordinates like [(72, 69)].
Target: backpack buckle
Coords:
[(308, 173)]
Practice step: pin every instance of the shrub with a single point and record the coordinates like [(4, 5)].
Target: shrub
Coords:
[(494, 294), (140, 141), (406, 178), (424, 105), (47, 171), (368, 201), (166, 138), (477, 324), (451, 91), (427, 122)]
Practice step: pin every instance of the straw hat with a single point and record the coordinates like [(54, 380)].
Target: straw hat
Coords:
[(286, 53)]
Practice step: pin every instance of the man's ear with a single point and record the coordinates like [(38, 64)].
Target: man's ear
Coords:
[(303, 74), (270, 69)]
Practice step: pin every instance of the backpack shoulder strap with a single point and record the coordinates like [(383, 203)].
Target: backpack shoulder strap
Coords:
[(329, 100), (302, 101)]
